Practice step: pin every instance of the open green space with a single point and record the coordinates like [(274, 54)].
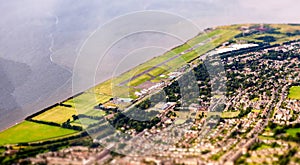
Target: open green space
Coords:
[(139, 80), (87, 101), (282, 33), (158, 71), (95, 112), (101, 98), (293, 131), (82, 104), (266, 137), (111, 88), (84, 122), (58, 114), (294, 92), (204, 37), (223, 36), (30, 131), (263, 146), (112, 85)]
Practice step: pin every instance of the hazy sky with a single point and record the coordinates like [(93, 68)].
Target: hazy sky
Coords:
[(40, 40)]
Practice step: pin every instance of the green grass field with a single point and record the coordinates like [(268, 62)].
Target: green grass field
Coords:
[(204, 36), (84, 122), (58, 114), (82, 104), (263, 146), (293, 131), (111, 88), (223, 35), (141, 79), (87, 101), (95, 113), (280, 38), (294, 92), (30, 132), (158, 71)]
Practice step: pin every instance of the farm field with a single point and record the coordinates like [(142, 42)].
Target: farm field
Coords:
[(84, 122), (58, 114), (94, 112), (294, 92), (30, 131), (87, 101)]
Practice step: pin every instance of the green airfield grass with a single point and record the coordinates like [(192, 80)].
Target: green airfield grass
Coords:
[(145, 77), (158, 71), (294, 92), (58, 114), (224, 35), (141, 79), (30, 132), (111, 85), (204, 36), (111, 88)]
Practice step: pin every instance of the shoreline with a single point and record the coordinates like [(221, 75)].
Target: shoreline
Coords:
[(108, 79), (204, 31)]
